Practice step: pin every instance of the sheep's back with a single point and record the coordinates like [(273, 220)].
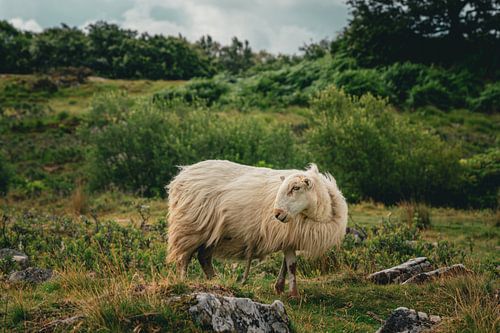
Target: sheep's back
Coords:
[(221, 202)]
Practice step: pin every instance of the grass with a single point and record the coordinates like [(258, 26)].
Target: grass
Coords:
[(124, 284), (116, 298)]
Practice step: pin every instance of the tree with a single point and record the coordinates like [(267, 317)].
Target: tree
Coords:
[(14, 49), (60, 47), (447, 32), (236, 57)]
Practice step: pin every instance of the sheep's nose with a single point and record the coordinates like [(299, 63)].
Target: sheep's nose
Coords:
[(279, 214)]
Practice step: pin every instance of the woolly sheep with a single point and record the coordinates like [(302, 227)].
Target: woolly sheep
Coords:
[(228, 210)]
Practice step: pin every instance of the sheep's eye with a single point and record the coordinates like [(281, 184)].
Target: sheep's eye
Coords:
[(295, 188)]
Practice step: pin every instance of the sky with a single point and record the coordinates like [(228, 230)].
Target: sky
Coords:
[(278, 26)]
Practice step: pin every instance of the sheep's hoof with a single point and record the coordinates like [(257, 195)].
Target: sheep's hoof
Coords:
[(279, 286), (293, 294)]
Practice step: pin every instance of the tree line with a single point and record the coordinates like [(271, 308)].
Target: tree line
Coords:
[(448, 33), (111, 51)]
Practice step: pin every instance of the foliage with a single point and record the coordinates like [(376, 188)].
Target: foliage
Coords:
[(107, 49), (206, 91), (481, 179), (489, 99), (441, 32), (138, 148), (376, 154), (416, 214), (361, 81), (5, 175), (429, 93)]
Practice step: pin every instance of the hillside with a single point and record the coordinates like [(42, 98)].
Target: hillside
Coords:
[(66, 225)]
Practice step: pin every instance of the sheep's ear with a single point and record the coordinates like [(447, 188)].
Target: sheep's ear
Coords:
[(314, 168), (308, 182), (282, 178)]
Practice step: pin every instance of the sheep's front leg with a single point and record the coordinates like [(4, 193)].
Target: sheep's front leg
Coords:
[(291, 264), (279, 286), (247, 271)]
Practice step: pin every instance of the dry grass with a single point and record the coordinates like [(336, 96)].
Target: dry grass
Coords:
[(475, 308), (418, 214), (79, 203)]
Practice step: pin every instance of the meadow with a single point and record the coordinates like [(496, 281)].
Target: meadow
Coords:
[(86, 164)]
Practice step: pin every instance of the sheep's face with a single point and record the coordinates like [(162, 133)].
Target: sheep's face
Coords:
[(295, 196)]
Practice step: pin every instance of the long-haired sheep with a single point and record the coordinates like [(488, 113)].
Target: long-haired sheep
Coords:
[(228, 210)]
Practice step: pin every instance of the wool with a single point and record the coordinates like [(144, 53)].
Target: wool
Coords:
[(229, 207)]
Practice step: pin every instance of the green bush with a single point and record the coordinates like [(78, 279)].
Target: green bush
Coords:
[(489, 99), (401, 78), (140, 150), (5, 175), (374, 153), (361, 81), (481, 180), (207, 91), (430, 93)]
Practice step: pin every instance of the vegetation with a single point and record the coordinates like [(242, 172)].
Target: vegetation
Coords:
[(129, 285), (407, 134)]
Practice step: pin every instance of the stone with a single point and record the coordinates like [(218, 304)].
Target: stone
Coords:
[(453, 270), (17, 256), (232, 314), (401, 273), (61, 324), (31, 275), (358, 235), (404, 320)]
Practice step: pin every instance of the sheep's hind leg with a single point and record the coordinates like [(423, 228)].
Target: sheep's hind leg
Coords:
[(279, 286), (205, 259)]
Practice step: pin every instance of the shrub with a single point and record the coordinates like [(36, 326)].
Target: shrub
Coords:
[(139, 151), (430, 93), (5, 175), (376, 154), (361, 81), (401, 78), (481, 178), (208, 91), (416, 214), (489, 99)]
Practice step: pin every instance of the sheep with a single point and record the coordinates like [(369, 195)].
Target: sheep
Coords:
[(227, 210)]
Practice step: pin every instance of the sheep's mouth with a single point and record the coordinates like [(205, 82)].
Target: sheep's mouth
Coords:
[(283, 218)]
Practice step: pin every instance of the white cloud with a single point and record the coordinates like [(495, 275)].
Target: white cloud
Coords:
[(274, 25), (255, 23), (28, 25)]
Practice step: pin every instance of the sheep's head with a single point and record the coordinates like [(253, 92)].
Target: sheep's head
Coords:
[(296, 195)]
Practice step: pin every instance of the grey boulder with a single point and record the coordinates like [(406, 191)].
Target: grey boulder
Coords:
[(31, 275), (401, 273), (404, 320), (233, 314), (453, 270), (17, 256)]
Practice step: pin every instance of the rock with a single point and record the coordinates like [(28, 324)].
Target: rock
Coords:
[(18, 256), (454, 270), (359, 236), (403, 272), (233, 314), (406, 320), (61, 324), (31, 275)]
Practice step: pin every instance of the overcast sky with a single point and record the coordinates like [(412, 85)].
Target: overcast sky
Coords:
[(275, 25)]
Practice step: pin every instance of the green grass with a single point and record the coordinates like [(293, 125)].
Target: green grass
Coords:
[(113, 292)]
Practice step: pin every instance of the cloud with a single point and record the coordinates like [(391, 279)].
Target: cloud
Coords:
[(28, 25), (277, 26), (274, 25)]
